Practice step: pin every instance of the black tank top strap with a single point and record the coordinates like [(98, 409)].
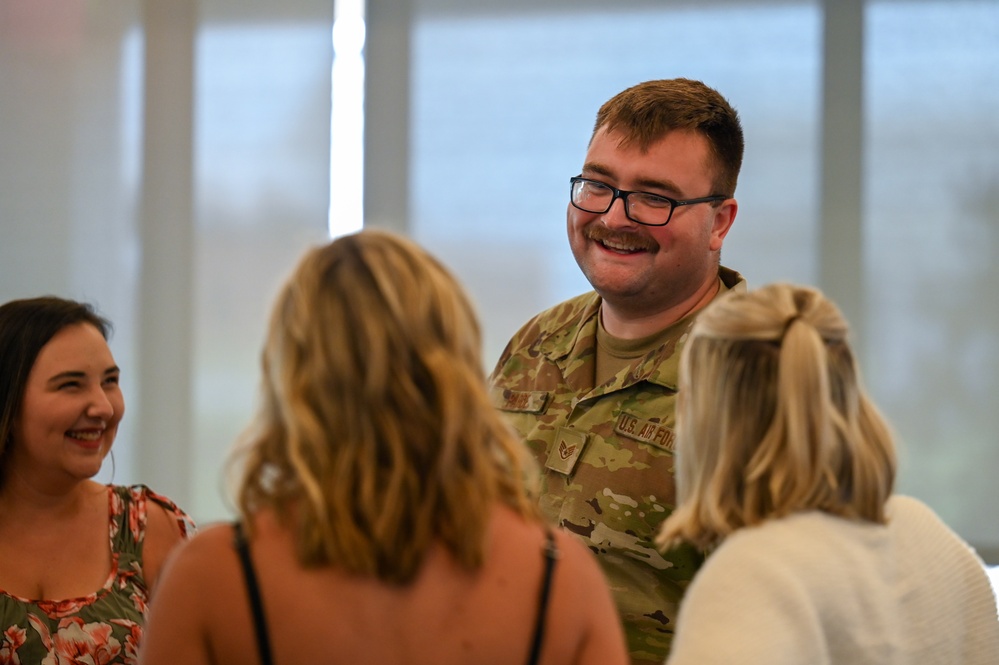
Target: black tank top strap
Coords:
[(253, 589), (551, 554)]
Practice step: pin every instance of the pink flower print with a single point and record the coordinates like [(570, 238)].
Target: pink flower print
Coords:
[(117, 507), (137, 515), (42, 630), (78, 643), (131, 640), (184, 521), (13, 639), (128, 575), (141, 602), (57, 609)]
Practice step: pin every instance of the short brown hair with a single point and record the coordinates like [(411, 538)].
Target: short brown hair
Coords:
[(646, 112)]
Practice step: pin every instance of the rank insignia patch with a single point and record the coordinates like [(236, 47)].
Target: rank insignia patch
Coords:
[(565, 451)]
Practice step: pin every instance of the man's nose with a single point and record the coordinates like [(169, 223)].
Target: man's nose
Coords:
[(617, 215)]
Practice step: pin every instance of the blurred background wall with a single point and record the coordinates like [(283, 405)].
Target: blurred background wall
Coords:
[(169, 161)]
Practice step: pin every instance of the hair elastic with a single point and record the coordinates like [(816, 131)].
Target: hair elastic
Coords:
[(788, 323)]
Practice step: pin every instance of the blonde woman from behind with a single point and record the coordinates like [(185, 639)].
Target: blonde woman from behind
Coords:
[(383, 513), (785, 475)]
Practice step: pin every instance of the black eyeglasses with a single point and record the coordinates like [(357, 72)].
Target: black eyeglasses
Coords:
[(641, 207)]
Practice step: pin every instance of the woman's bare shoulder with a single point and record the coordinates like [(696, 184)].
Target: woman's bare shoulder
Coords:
[(209, 543), (572, 556), (580, 609), (200, 558)]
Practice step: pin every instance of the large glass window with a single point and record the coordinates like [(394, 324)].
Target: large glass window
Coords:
[(262, 163), (931, 245)]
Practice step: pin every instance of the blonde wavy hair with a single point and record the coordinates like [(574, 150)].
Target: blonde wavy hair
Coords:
[(376, 438), (772, 419)]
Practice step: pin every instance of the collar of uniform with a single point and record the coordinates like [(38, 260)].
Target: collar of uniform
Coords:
[(662, 365), (570, 343), (731, 280), (576, 316), (567, 321)]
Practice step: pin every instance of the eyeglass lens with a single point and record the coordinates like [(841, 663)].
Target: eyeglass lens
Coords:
[(596, 197)]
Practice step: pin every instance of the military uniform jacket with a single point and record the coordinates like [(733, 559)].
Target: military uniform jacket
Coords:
[(607, 455)]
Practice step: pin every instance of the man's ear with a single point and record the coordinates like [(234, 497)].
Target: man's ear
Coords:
[(722, 224)]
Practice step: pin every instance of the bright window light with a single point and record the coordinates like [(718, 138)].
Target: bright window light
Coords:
[(346, 213)]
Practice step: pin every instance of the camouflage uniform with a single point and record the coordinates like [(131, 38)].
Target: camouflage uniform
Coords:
[(607, 455)]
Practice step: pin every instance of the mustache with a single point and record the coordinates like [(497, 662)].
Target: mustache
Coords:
[(630, 240)]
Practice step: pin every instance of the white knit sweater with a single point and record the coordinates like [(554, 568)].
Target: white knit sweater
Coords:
[(816, 589)]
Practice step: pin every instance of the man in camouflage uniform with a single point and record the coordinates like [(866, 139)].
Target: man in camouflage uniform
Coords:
[(590, 384)]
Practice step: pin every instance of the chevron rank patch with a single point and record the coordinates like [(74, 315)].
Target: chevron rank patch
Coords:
[(565, 450)]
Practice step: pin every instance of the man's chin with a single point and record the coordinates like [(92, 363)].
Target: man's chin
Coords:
[(614, 290)]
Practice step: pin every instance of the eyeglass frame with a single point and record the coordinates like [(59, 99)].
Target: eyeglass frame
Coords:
[(623, 194)]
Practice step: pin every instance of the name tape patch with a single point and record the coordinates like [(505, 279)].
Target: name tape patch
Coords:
[(523, 401)]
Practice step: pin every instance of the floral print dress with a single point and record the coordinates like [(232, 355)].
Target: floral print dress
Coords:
[(105, 627)]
